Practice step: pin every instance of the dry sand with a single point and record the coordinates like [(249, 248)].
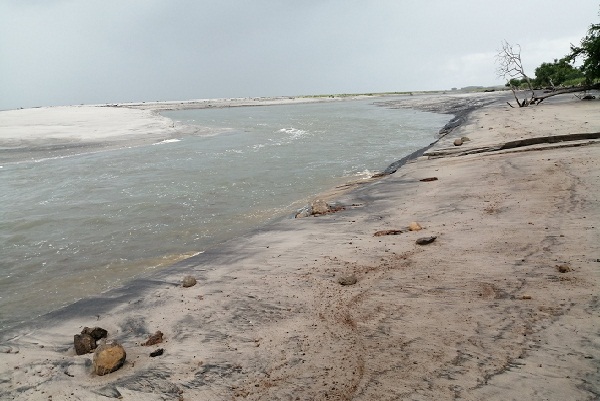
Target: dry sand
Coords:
[(61, 131), (482, 313)]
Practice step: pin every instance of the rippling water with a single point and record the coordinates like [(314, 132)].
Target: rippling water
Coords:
[(83, 224)]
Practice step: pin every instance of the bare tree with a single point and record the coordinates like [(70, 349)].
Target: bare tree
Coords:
[(510, 67)]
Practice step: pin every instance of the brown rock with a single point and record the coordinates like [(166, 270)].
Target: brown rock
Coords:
[(189, 281), (154, 339), (347, 280), (563, 268), (428, 179), (458, 142), (425, 240), (319, 207), (414, 226), (465, 139), (108, 358), (97, 332), (84, 343)]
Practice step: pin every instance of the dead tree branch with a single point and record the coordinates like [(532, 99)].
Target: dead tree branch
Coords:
[(510, 67)]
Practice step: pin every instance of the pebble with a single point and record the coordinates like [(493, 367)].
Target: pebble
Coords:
[(189, 281), (347, 280), (414, 226), (425, 240)]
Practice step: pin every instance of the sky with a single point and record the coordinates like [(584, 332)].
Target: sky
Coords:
[(64, 52)]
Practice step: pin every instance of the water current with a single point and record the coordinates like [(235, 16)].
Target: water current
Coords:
[(80, 225)]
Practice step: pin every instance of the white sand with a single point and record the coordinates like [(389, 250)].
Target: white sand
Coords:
[(35, 134), (480, 314), (80, 123)]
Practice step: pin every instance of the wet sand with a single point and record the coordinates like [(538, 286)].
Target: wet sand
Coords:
[(483, 312)]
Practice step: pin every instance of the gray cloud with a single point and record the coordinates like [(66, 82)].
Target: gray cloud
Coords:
[(69, 52)]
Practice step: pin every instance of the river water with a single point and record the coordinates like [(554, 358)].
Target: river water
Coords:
[(80, 225)]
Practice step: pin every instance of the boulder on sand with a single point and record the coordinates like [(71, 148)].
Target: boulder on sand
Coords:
[(108, 358)]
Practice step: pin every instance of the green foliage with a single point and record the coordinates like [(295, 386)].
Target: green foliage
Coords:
[(516, 83), (575, 81), (556, 73), (589, 51)]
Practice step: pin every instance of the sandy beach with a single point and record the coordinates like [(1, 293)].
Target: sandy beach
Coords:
[(501, 305)]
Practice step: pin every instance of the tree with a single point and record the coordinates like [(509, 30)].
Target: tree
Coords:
[(556, 73), (589, 50), (510, 68)]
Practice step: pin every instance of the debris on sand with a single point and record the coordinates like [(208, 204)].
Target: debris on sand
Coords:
[(347, 280), (425, 240), (154, 339)]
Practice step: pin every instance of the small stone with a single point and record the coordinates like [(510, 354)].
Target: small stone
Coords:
[(304, 212), (319, 207), (347, 280), (189, 281), (156, 353), (84, 343), (425, 240), (97, 333), (563, 268), (154, 339), (428, 179), (414, 226), (526, 296), (108, 358), (458, 142), (465, 139)]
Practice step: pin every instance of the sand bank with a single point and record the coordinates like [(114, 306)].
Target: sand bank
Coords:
[(60, 131), (233, 102), (483, 312)]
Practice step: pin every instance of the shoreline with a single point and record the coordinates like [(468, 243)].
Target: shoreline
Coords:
[(268, 318)]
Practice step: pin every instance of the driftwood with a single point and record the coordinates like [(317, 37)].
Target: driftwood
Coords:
[(535, 99)]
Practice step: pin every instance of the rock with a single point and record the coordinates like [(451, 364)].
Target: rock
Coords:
[(526, 297), (465, 139), (154, 339), (97, 332), (158, 352), (319, 207), (414, 226), (189, 281), (84, 344), (86, 341), (588, 97), (458, 142), (108, 358), (387, 232), (429, 179), (563, 268), (425, 240), (304, 212), (347, 280)]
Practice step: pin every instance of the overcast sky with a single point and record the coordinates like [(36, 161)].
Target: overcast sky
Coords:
[(61, 52)]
